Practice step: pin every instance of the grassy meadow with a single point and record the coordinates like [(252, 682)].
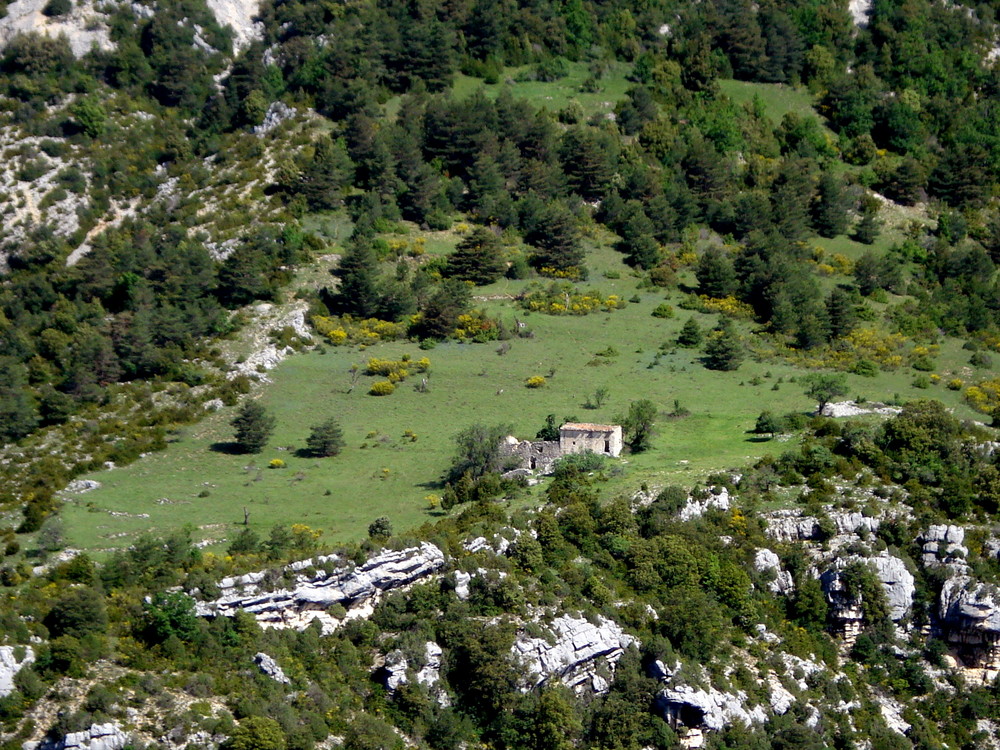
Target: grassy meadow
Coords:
[(382, 472)]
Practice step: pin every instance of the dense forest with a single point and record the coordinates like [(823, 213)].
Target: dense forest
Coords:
[(707, 199)]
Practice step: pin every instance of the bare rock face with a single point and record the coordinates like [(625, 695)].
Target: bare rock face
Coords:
[(83, 27), (277, 113), (697, 507), (10, 665), (238, 15), (98, 737), (684, 706), (271, 668), (943, 545), (969, 612), (846, 609), (356, 588), (782, 583), (393, 672), (578, 649), (790, 526)]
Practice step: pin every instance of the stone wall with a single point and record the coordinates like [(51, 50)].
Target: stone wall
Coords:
[(534, 455), (580, 438)]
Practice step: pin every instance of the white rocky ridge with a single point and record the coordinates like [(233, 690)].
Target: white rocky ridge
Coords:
[(573, 656), (943, 545), (859, 10), (277, 113), (10, 665), (791, 526), (238, 15), (357, 588)]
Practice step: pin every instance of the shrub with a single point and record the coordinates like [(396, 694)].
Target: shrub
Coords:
[(276, 463), (382, 388), (57, 7), (535, 381), (955, 384), (663, 310)]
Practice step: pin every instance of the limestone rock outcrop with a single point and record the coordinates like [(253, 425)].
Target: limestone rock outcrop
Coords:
[(846, 607), (767, 560), (271, 668), (969, 613), (791, 526), (98, 737), (696, 506), (691, 707), (10, 665), (356, 588), (944, 545), (578, 649)]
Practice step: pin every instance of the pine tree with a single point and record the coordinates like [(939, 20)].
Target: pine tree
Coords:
[(867, 229), (829, 211), (556, 239), (715, 274), (723, 350), (476, 258), (326, 175), (840, 311), (358, 292), (253, 427), (326, 438), (690, 335)]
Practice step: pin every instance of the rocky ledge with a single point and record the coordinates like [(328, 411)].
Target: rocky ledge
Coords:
[(580, 647), (98, 737), (356, 588)]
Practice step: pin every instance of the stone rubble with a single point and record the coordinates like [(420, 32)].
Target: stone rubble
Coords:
[(277, 113), (573, 657), (357, 588)]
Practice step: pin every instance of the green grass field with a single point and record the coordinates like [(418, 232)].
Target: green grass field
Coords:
[(190, 483), (779, 99)]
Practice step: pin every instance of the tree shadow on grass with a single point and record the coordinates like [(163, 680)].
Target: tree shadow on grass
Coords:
[(759, 439), (228, 447)]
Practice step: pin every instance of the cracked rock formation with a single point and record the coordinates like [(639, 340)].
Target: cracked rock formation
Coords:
[(356, 588), (580, 647)]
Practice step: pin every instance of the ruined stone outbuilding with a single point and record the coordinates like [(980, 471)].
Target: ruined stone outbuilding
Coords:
[(574, 437)]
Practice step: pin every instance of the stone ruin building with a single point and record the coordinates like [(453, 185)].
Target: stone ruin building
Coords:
[(574, 437)]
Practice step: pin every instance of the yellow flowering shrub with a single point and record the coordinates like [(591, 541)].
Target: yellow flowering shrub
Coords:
[(535, 381), (565, 299), (347, 330)]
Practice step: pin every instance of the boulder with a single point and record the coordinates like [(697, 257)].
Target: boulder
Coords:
[(430, 673), (271, 668), (10, 665), (575, 651), (356, 588)]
